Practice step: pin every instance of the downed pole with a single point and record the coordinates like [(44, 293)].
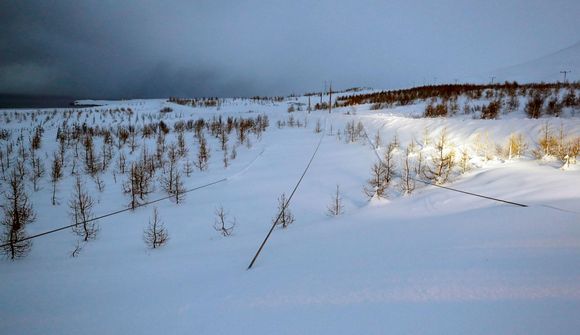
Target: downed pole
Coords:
[(287, 202)]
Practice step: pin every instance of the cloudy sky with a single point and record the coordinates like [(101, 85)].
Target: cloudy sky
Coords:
[(127, 49)]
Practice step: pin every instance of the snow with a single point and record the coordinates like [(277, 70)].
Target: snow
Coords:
[(432, 262)]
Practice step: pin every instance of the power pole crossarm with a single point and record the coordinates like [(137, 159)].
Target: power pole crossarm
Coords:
[(565, 72)]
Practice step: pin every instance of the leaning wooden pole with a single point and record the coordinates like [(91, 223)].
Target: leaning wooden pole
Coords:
[(330, 99)]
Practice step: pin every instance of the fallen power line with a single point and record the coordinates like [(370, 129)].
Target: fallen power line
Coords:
[(288, 201), (137, 206), (426, 182), (114, 213)]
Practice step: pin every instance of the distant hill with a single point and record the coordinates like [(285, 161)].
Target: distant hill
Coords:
[(34, 101), (546, 68)]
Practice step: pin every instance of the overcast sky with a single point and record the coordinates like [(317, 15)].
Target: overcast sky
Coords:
[(127, 49)]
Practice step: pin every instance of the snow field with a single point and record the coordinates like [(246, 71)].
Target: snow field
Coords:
[(431, 262)]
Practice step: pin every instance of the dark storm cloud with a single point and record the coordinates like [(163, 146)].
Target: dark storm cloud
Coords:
[(231, 48)]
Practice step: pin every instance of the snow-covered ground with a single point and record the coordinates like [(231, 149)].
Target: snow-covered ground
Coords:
[(432, 262)]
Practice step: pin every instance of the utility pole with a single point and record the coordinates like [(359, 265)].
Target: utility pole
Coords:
[(492, 79), (330, 98), (309, 105), (565, 72)]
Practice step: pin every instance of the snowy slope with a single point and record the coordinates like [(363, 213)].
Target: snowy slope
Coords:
[(433, 262), (546, 68)]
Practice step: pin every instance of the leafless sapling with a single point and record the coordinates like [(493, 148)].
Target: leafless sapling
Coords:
[(81, 211), (223, 138), (547, 143), (443, 161), (181, 145), (407, 180), (226, 158), (221, 223), (178, 188), (202, 155), (188, 168), (18, 213), (378, 140), (464, 161), (168, 179), (155, 235), (37, 169), (336, 206), (55, 175), (376, 185), (284, 216), (516, 146), (318, 127)]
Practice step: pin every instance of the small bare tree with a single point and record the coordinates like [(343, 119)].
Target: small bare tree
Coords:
[(133, 145), (155, 235), (443, 161), (55, 175), (181, 145), (37, 171), (376, 185), (226, 158), (336, 206), (178, 188), (188, 168), (547, 143), (81, 210), (464, 161), (378, 140), (99, 182), (516, 146), (284, 216), (18, 213), (389, 162), (223, 138), (382, 174), (202, 154), (318, 127), (91, 165), (407, 181), (221, 223), (234, 152), (168, 179)]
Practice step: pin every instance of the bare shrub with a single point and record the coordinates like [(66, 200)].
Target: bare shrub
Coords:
[(443, 161), (336, 206), (221, 223), (516, 146), (18, 213), (284, 216), (81, 210), (407, 181), (155, 235)]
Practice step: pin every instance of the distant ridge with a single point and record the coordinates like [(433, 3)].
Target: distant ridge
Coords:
[(34, 101), (546, 68)]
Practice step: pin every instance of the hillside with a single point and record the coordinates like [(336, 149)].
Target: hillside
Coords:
[(543, 69)]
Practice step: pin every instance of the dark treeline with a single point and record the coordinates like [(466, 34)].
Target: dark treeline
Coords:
[(408, 96), (215, 102)]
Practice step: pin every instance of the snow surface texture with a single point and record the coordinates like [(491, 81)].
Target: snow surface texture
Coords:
[(433, 262)]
